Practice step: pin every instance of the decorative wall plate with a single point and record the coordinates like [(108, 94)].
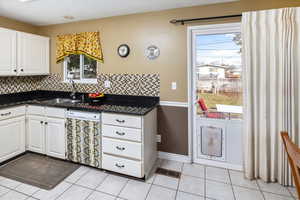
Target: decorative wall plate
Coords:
[(152, 52), (123, 50)]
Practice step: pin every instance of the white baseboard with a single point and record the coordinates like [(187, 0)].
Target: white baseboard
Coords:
[(174, 157)]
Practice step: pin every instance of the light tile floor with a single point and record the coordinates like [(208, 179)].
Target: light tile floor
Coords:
[(197, 182)]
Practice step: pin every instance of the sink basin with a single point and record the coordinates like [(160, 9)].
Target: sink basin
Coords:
[(62, 101)]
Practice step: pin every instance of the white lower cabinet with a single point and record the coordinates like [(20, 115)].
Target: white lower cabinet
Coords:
[(46, 132), (12, 140), (122, 165), (36, 134), (55, 137), (129, 143)]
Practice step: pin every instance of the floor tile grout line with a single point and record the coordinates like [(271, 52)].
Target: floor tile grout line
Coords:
[(260, 189), (5, 192), (204, 182), (150, 187), (148, 191), (95, 189), (64, 191), (118, 195), (231, 185), (72, 184), (179, 181)]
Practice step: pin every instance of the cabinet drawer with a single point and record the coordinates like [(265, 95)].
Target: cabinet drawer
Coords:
[(12, 112), (122, 133), (122, 120), (122, 148), (122, 165), (55, 112), (35, 110)]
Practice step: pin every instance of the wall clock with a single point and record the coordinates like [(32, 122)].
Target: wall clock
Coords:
[(152, 52), (123, 50)]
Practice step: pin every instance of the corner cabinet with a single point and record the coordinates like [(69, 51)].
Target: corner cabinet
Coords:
[(12, 126), (23, 53)]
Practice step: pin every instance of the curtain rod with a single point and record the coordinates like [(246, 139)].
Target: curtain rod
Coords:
[(182, 21)]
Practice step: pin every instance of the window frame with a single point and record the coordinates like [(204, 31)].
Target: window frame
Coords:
[(81, 80)]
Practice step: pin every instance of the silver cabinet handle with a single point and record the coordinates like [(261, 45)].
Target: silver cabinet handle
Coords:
[(120, 121), (120, 166), (120, 133), (120, 148), (5, 114)]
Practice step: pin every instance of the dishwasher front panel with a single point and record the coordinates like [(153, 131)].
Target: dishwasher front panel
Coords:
[(84, 142)]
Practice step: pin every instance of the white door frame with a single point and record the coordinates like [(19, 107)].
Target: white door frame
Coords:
[(191, 30)]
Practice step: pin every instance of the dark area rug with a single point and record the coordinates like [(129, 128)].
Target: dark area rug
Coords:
[(38, 170)]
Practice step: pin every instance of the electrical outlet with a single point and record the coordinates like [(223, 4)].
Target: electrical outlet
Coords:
[(158, 138), (174, 86), (107, 84)]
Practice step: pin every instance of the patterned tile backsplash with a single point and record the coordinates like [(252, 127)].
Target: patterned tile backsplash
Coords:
[(123, 84), (10, 85)]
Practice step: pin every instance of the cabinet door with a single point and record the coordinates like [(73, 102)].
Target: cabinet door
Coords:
[(55, 137), (36, 134), (33, 54), (8, 52), (12, 140)]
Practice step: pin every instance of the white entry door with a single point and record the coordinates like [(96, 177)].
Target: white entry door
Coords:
[(216, 94)]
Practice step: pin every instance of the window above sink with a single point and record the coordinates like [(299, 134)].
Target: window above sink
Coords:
[(80, 68)]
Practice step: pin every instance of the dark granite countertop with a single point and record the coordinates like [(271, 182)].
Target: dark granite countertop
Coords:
[(134, 105)]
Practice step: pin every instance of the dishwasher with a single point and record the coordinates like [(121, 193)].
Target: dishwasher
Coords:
[(83, 131)]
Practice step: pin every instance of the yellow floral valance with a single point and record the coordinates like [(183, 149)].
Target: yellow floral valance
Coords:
[(87, 43)]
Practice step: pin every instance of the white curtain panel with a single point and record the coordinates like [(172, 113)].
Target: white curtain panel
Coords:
[(271, 56)]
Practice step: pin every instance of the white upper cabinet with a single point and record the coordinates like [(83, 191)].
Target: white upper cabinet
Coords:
[(33, 54), (23, 53), (8, 52)]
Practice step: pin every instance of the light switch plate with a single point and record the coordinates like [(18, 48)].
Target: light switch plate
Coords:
[(174, 86), (158, 138), (107, 84)]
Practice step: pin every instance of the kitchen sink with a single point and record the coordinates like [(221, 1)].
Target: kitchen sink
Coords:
[(62, 101)]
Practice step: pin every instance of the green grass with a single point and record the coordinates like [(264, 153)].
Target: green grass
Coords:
[(228, 99)]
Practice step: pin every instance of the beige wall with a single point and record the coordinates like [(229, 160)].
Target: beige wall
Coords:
[(141, 30), (16, 25)]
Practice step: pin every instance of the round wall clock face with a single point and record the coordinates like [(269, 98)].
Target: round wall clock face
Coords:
[(152, 52), (123, 50)]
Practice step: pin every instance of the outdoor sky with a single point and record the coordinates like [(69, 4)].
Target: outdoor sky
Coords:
[(217, 49)]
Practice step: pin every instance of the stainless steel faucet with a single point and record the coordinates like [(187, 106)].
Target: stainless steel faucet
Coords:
[(73, 93)]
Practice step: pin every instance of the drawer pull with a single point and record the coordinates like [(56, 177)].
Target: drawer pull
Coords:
[(120, 121), (5, 114), (120, 133), (120, 148), (120, 166)]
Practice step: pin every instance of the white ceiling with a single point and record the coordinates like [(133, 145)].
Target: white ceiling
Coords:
[(45, 12)]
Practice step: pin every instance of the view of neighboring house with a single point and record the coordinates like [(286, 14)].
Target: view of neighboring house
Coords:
[(219, 69)]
